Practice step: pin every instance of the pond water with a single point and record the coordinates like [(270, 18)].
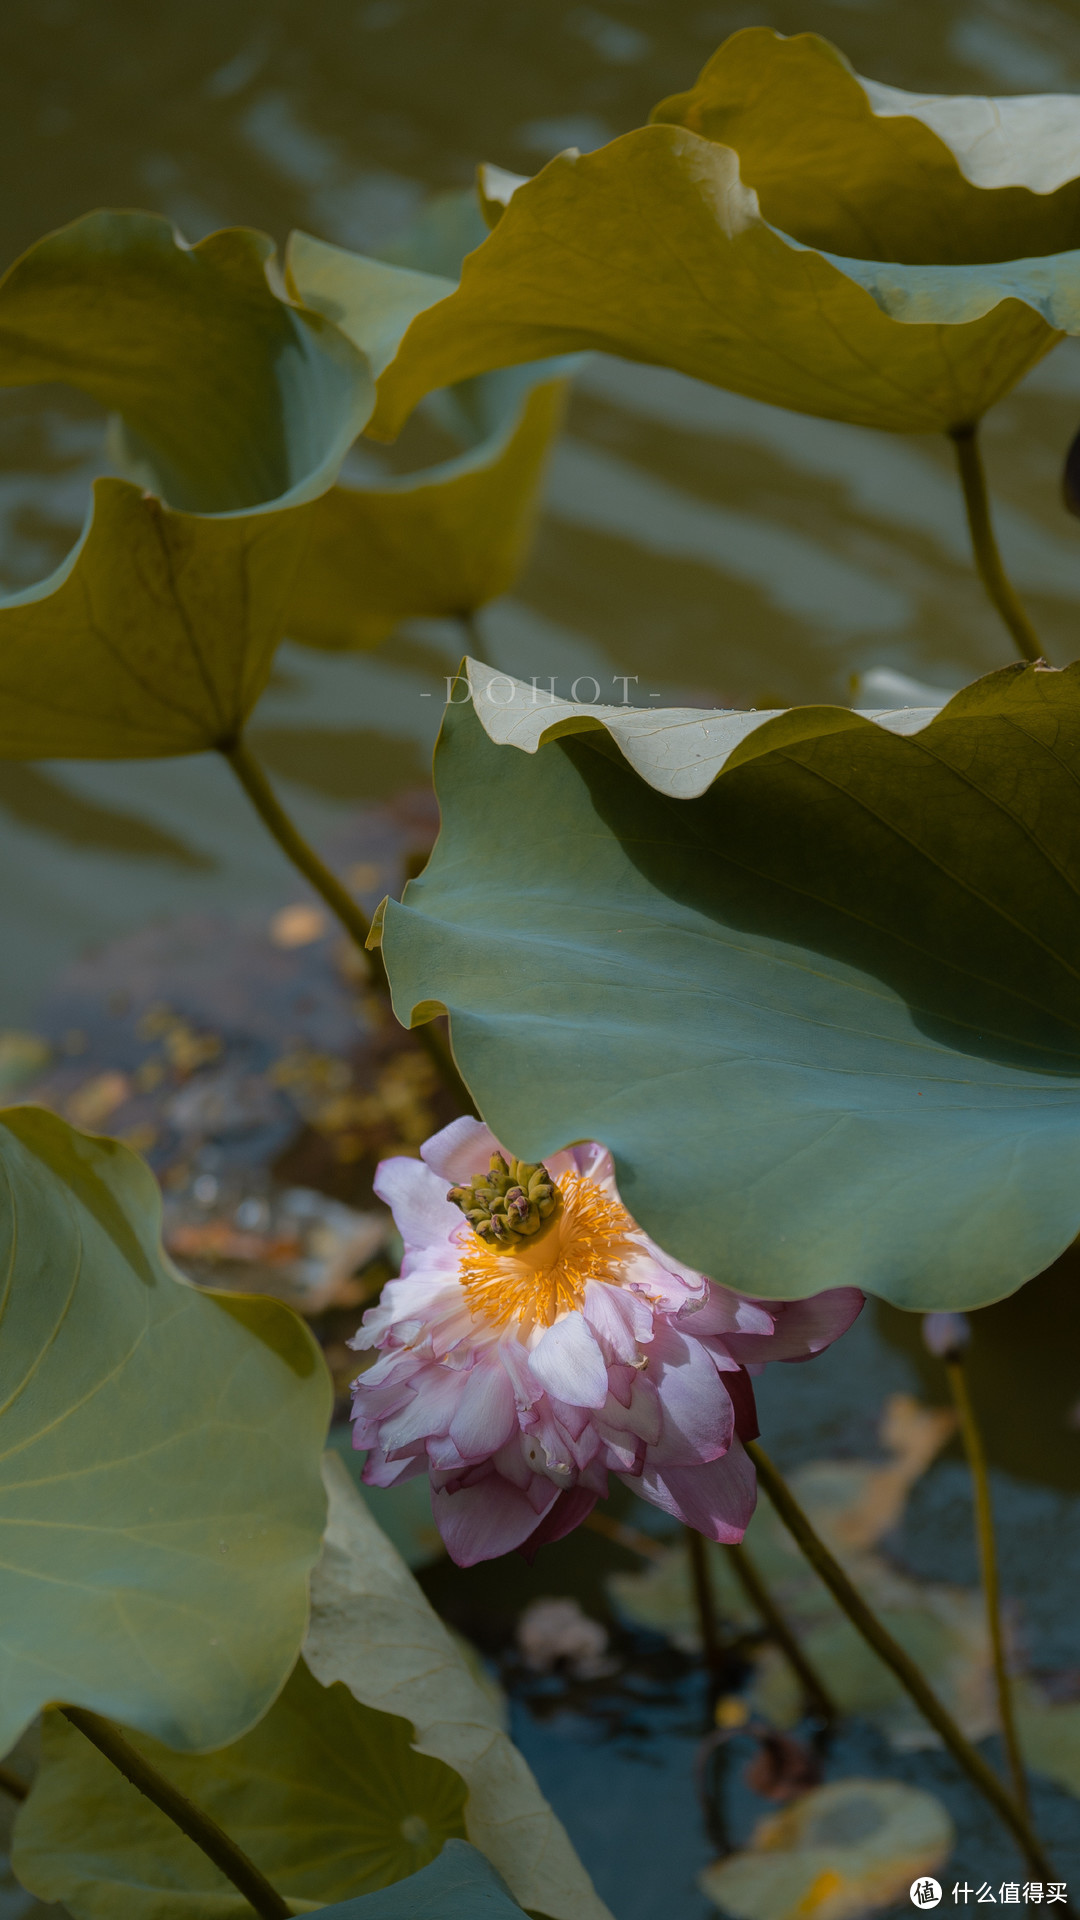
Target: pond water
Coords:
[(721, 551)]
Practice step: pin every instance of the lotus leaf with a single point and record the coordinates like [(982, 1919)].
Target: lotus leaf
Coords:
[(327, 1797), (792, 232), (160, 1501), (809, 975), (1050, 1735), (459, 1885), (235, 407), (372, 1628), (448, 538), (838, 1853)]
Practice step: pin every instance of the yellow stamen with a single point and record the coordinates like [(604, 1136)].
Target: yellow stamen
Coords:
[(537, 1282)]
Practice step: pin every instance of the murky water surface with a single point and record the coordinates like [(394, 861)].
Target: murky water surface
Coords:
[(720, 550)]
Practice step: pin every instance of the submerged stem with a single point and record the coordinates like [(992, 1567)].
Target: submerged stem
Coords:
[(984, 544), (877, 1636), (703, 1600), (340, 902), (231, 1860), (817, 1693), (984, 1528)]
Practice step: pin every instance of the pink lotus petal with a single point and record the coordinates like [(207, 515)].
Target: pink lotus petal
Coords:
[(548, 1448), (623, 1453), (536, 1493), (592, 1162), (483, 1521), (741, 1389), (724, 1312), (510, 1461), (527, 1390), (717, 1499), (417, 1199), (568, 1362), (463, 1148), (698, 1417), (486, 1413), (565, 1513), (619, 1320), (802, 1327), (435, 1395), (642, 1416), (381, 1472)]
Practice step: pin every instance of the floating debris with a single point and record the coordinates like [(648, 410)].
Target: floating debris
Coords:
[(298, 926), (555, 1634), (839, 1851)]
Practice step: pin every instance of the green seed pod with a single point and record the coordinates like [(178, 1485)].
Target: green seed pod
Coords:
[(511, 1201)]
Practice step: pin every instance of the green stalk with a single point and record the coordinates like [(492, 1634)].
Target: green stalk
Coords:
[(231, 1860), (984, 1528), (829, 1570), (341, 904), (817, 1694), (984, 544), (703, 1600)]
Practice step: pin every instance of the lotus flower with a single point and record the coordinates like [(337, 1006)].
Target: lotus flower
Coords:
[(537, 1341)]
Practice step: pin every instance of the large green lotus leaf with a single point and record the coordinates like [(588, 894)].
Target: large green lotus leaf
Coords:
[(326, 1796), (372, 1628), (870, 172), (160, 1498), (448, 538), (235, 407), (459, 1885), (811, 976), (787, 231)]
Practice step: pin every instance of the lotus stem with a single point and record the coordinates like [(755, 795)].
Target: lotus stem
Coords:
[(470, 626), (231, 1860), (341, 904), (847, 1596), (984, 544), (632, 1538), (704, 1601), (984, 1528), (817, 1694), (13, 1784)]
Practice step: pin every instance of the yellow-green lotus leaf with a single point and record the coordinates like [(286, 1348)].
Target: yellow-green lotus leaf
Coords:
[(448, 538), (329, 1799), (234, 406), (839, 1851), (160, 1497), (1049, 1734), (843, 165), (789, 231)]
